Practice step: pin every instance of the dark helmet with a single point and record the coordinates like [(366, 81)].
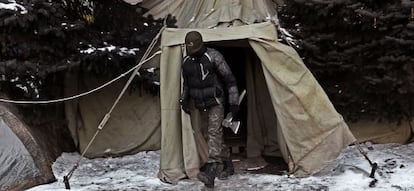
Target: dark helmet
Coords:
[(194, 43)]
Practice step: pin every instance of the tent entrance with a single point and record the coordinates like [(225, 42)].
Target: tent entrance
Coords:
[(235, 57), (258, 134)]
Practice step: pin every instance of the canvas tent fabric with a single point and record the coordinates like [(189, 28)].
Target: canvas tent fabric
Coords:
[(208, 14), (264, 138), (134, 124), (22, 162), (298, 120), (382, 132), (314, 133)]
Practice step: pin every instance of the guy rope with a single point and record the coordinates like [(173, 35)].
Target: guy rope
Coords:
[(108, 114)]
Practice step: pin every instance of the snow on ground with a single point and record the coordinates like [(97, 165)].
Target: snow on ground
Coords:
[(349, 172)]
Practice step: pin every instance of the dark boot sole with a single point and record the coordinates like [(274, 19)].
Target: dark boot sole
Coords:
[(225, 177), (204, 178)]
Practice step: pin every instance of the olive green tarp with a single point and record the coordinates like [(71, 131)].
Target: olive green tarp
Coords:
[(134, 124), (312, 131)]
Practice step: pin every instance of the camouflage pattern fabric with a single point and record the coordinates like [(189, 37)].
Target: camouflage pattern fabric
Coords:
[(217, 150)]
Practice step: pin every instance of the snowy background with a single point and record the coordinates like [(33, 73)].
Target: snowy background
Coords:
[(349, 171)]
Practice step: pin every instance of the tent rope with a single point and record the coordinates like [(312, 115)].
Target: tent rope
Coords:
[(108, 114), (81, 94)]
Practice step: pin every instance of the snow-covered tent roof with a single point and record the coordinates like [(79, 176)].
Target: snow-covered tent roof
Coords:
[(210, 13)]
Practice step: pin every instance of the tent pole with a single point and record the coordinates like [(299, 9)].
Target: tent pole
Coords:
[(108, 115), (374, 165)]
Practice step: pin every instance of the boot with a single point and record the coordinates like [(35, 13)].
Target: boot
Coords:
[(208, 176), (228, 170)]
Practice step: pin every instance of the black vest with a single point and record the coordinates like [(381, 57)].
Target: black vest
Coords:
[(205, 88)]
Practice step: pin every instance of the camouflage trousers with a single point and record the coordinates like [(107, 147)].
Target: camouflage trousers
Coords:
[(213, 132)]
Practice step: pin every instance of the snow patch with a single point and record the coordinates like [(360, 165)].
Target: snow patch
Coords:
[(151, 70), (88, 51), (125, 51), (110, 48), (12, 5), (348, 172), (133, 2)]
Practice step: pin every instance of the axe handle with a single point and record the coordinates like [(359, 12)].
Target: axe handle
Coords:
[(241, 96), (229, 115)]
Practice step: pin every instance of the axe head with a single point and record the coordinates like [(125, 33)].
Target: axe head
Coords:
[(233, 125)]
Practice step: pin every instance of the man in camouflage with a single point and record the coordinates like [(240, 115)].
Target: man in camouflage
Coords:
[(207, 79)]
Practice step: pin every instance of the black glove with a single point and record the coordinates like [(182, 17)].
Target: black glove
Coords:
[(234, 109), (184, 105)]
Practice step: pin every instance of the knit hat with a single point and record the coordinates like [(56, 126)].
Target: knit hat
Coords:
[(194, 44)]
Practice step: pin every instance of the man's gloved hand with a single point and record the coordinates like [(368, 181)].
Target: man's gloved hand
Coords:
[(234, 109), (185, 106)]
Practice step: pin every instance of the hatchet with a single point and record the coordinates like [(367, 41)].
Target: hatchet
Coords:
[(228, 121)]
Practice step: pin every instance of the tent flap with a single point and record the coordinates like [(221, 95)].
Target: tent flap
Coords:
[(172, 166), (307, 118)]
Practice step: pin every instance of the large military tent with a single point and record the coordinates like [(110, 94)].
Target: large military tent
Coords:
[(308, 129), (287, 110)]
